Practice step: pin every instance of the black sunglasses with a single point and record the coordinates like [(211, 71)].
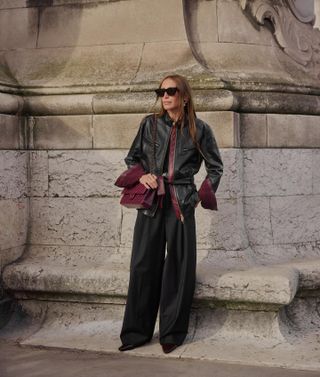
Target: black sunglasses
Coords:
[(170, 91)]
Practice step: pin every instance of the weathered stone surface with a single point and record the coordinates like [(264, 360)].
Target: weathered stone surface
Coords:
[(207, 29), (75, 221), (274, 285), (91, 279), (249, 100), (281, 172), (257, 219), (39, 173), (111, 22), (254, 60), (309, 273), (128, 221), (9, 129), (10, 255), (99, 322), (230, 14), (223, 229), (295, 218), (7, 4), (25, 23), (61, 132), (225, 126), (14, 216), (13, 174), (215, 334), (29, 319), (293, 131), (170, 55), (145, 101), (315, 171), (253, 130), (285, 253), (254, 337), (125, 103), (85, 173), (9, 103), (231, 184), (73, 256), (93, 65), (73, 104), (116, 130), (226, 260)]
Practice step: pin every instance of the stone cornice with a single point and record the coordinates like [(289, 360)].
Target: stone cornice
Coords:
[(11, 104), (144, 102)]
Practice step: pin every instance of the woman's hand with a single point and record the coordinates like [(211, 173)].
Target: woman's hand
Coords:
[(149, 180)]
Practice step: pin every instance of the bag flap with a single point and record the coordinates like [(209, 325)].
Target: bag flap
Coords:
[(136, 189)]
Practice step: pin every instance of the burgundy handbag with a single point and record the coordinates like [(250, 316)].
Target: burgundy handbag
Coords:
[(137, 195)]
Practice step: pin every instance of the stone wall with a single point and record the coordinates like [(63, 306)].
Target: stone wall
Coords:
[(76, 77), (14, 198), (71, 110)]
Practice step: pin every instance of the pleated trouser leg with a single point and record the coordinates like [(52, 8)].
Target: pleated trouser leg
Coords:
[(156, 280), (178, 280)]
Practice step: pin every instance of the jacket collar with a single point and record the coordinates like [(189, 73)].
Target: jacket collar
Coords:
[(169, 121)]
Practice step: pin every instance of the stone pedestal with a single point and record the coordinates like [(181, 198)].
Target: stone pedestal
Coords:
[(68, 115)]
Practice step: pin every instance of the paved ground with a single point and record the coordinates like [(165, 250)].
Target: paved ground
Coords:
[(16, 361)]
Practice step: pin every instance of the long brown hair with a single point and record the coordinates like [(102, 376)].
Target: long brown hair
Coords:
[(187, 108)]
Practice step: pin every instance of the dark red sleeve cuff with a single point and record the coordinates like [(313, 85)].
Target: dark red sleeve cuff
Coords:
[(130, 176), (207, 195)]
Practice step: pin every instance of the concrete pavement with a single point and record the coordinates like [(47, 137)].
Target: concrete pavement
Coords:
[(16, 361)]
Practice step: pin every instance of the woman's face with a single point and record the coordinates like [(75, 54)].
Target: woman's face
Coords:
[(170, 103)]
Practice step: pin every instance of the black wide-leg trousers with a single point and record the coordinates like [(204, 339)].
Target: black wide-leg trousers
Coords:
[(159, 281)]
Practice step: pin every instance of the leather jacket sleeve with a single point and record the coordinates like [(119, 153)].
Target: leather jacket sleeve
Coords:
[(214, 168), (133, 160), (135, 152)]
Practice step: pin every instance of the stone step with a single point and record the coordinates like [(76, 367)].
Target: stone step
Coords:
[(285, 339), (259, 315), (274, 285), (6, 304)]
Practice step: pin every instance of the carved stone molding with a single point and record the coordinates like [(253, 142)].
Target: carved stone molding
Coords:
[(303, 10), (293, 22)]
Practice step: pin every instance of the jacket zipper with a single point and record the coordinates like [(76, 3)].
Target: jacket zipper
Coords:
[(164, 156), (171, 172)]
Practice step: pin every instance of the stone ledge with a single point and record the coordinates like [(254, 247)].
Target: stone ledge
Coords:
[(261, 285), (252, 288), (253, 333), (6, 305), (246, 337)]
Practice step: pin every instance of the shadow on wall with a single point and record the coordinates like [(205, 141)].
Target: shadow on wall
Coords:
[(36, 3)]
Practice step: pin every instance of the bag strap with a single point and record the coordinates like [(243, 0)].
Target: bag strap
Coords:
[(154, 138)]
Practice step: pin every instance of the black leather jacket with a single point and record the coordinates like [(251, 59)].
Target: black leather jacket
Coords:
[(184, 163)]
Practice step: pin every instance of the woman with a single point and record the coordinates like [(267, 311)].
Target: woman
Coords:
[(182, 141)]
